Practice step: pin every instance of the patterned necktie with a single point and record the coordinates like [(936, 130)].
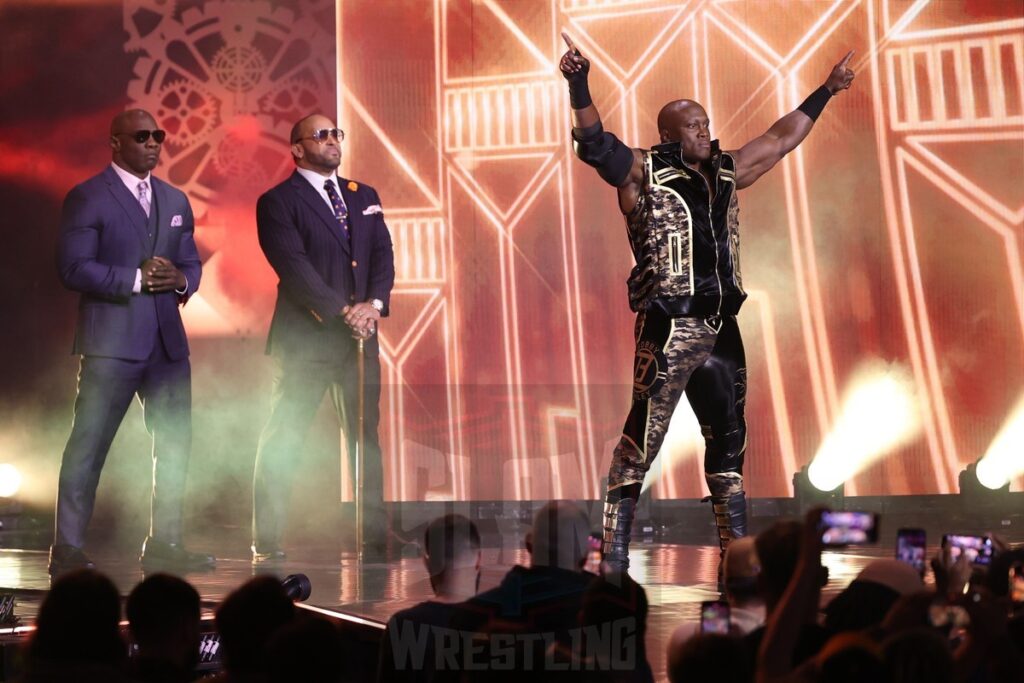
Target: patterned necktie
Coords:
[(340, 212), (144, 196)]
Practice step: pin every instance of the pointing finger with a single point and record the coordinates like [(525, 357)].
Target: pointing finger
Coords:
[(846, 59), (570, 44)]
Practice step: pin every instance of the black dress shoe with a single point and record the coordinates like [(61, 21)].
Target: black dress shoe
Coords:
[(157, 554), (268, 555), (66, 558), (375, 552)]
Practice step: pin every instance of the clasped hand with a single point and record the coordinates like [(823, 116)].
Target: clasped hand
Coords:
[(161, 275), (362, 318)]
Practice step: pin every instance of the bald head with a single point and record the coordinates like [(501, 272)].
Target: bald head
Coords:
[(131, 120), (450, 542), (322, 156), (301, 126), (133, 142), (686, 122), (673, 113), (559, 537)]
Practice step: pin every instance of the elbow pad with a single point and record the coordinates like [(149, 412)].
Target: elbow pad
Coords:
[(605, 152)]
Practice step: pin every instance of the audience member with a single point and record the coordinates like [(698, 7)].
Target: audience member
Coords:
[(533, 613), (307, 649), (869, 597), (710, 657), (850, 658), (918, 655), (740, 570), (778, 550), (451, 554), (789, 613), (163, 615), (613, 631), (246, 620), (77, 635)]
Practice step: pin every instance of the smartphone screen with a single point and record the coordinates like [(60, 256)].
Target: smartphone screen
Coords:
[(594, 555), (849, 528), (910, 548), (1017, 582), (714, 617), (978, 549)]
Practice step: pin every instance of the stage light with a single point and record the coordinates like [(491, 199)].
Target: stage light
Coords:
[(808, 495), (879, 413), (10, 481), (1004, 458)]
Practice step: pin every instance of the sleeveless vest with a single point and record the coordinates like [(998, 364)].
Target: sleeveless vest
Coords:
[(685, 244)]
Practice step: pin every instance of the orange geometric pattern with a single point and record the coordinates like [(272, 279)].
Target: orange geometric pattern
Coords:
[(523, 315), (894, 232)]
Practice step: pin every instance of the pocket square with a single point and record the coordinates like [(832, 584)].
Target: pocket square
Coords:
[(372, 209), (176, 220)]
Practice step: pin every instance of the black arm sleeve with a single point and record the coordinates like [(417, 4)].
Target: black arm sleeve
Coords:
[(598, 148)]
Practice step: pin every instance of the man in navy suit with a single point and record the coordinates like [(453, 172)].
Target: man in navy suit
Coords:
[(326, 239), (126, 245)]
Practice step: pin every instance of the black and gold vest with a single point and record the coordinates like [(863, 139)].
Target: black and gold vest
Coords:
[(686, 246)]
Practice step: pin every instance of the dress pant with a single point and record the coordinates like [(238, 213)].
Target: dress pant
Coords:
[(106, 387), (299, 387)]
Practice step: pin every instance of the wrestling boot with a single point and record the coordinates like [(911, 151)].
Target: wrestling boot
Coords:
[(731, 519), (618, 526)]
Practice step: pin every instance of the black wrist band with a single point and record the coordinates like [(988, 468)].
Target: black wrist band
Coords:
[(579, 93), (815, 102)]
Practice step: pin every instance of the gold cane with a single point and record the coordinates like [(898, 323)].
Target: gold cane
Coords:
[(360, 452)]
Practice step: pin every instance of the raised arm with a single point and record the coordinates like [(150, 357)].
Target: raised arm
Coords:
[(758, 156), (617, 164), (781, 632)]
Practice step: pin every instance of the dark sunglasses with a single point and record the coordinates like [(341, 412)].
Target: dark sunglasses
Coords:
[(140, 136), (322, 134)]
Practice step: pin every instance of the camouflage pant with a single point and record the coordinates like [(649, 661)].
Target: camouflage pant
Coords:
[(674, 355)]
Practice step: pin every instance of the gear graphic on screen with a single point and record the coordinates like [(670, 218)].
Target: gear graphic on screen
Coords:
[(226, 81)]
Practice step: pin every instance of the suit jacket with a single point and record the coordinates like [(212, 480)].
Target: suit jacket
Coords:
[(104, 238), (320, 271)]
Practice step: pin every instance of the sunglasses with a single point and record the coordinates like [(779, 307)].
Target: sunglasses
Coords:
[(140, 136), (322, 134)]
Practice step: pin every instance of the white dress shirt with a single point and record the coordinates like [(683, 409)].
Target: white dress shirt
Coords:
[(317, 181)]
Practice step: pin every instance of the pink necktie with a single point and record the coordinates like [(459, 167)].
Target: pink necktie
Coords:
[(144, 197)]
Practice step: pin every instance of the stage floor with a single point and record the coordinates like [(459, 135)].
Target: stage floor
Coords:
[(676, 577)]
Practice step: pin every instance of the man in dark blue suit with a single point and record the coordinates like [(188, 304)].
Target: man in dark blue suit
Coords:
[(126, 245), (326, 239)]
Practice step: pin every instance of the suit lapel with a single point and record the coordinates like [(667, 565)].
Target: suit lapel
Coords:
[(130, 205), (161, 223), (320, 208)]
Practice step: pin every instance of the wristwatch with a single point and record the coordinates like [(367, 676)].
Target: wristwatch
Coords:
[(377, 304)]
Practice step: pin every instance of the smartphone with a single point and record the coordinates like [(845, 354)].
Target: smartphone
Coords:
[(594, 555), (910, 548), (978, 549), (714, 617), (849, 528), (1016, 582)]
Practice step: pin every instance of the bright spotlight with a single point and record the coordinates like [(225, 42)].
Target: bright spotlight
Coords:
[(879, 413), (1004, 458), (10, 481)]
